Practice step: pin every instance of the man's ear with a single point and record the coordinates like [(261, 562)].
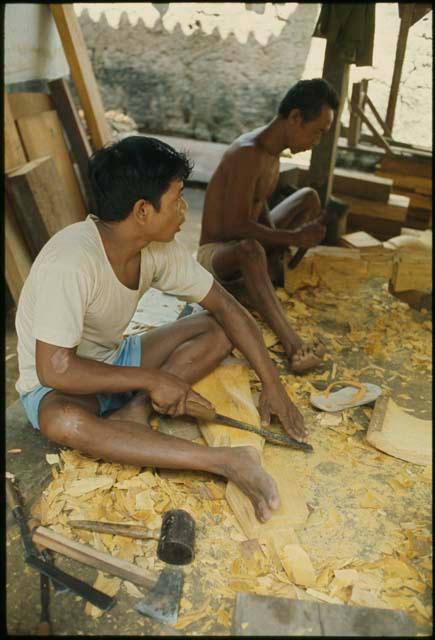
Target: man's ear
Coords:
[(295, 117), (141, 210)]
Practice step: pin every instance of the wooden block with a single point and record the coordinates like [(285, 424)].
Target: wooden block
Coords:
[(338, 268), (229, 391), (25, 104), (416, 200), (360, 240), (81, 70), (412, 270), (38, 201), (17, 256), (14, 152), (395, 209), (80, 146), (378, 227), (411, 183), (354, 183), (400, 434), (297, 565), (408, 166), (43, 136)]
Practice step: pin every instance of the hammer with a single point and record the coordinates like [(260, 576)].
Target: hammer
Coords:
[(175, 542)]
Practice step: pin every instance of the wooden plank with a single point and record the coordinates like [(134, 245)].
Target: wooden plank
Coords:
[(405, 23), (17, 256), (80, 146), (399, 434), (229, 391), (378, 227), (25, 104), (353, 183), (408, 182), (395, 209), (14, 152), (81, 70), (360, 240), (407, 166), (39, 201), (43, 136)]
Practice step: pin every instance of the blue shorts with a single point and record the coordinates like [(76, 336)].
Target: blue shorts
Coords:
[(128, 356)]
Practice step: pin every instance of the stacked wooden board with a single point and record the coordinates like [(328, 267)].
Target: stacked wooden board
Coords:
[(46, 155), (412, 178)]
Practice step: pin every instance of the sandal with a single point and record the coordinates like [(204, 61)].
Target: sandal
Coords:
[(345, 398)]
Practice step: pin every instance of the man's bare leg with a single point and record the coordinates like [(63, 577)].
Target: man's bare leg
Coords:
[(249, 259), (73, 421)]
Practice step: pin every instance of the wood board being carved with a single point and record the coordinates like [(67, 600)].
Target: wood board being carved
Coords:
[(229, 391), (399, 434)]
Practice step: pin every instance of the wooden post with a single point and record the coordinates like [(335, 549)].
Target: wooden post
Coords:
[(17, 256), (81, 70), (80, 147), (359, 92), (323, 156), (405, 24)]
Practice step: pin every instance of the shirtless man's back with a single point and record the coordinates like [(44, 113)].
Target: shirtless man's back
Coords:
[(241, 237)]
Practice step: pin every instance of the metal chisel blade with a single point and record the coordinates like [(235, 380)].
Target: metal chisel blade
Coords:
[(277, 438)]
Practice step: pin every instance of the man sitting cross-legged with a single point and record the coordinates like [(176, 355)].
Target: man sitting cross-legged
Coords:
[(81, 294), (241, 239)]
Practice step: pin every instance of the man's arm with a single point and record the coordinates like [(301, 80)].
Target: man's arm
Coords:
[(61, 368), (244, 333), (240, 220)]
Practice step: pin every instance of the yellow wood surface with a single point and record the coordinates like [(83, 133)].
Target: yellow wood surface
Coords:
[(43, 136), (82, 73), (14, 153), (229, 391), (400, 434), (17, 256), (29, 104)]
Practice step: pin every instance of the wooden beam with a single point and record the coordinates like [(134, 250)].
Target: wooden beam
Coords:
[(80, 147), (351, 182), (42, 136), (323, 156), (14, 152), (359, 90), (379, 137), (395, 209), (386, 130), (405, 24), (39, 202), (17, 256), (81, 70)]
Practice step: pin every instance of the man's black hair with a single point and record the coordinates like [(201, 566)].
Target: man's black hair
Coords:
[(132, 169), (309, 96)]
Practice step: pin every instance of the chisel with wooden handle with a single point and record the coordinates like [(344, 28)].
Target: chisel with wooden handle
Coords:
[(197, 410)]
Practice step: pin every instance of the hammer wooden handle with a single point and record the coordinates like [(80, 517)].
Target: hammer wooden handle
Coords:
[(88, 555), (197, 410), (130, 530)]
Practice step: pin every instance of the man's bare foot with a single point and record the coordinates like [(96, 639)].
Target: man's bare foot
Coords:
[(307, 358), (245, 470), (138, 409)]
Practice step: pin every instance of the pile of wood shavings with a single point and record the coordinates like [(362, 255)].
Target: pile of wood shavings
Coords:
[(368, 535)]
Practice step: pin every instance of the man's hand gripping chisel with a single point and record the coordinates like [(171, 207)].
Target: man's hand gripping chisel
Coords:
[(36, 560), (197, 410)]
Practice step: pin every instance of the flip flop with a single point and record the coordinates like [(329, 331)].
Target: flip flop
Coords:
[(347, 397)]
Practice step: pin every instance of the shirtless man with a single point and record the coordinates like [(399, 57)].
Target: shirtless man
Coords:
[(78, 374), (242, 240)]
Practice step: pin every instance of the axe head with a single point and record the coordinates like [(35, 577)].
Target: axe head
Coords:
[(163, 599)]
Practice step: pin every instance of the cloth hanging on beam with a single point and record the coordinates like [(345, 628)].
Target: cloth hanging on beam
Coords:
[(351, 28)]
